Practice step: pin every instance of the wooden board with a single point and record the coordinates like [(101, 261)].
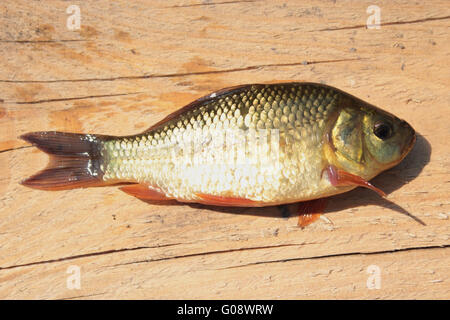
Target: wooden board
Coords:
[(132, 63)]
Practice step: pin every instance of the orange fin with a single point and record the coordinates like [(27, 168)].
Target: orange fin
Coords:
[(310, 211), (145, 192), (343, 178), (226, 201)]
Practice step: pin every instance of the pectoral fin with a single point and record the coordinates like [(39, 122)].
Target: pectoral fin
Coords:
[(343, 178)]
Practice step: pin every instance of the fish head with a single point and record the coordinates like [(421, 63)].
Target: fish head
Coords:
[(368, 140)]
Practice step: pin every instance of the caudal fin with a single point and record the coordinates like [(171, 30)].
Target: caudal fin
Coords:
[(75, 160)]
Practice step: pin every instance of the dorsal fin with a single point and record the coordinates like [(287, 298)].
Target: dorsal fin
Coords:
[(202, 101)]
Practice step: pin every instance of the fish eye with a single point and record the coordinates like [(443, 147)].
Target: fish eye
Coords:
[(383, 130)]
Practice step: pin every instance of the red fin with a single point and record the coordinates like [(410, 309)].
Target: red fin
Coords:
[(226, 201), (343, 178), (75, 160), (145, 192), (310, 211)]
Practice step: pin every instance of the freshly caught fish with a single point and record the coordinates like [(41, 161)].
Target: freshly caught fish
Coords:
[(250, 145)]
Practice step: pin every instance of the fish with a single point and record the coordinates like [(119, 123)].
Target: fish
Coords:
[(251, 145)]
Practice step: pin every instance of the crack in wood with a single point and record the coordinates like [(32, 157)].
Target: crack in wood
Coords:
[(72, 98), (85, 255), (221, 252), (211, 253), (186, 74), (43, 41), (385, 24), (338, 255), (84, 296), (281, 260), (211, 3), (16, 148)]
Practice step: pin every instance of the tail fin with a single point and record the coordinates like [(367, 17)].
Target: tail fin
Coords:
[(75, 160)]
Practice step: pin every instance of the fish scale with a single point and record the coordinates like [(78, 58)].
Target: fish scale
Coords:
[(296, 111)]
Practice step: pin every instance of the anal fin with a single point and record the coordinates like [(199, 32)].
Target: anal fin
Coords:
[(145, 192)]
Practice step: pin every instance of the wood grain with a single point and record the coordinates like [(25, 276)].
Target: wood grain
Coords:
[(132, 63)]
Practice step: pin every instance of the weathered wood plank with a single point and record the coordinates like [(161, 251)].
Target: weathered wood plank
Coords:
[(130, 65)]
